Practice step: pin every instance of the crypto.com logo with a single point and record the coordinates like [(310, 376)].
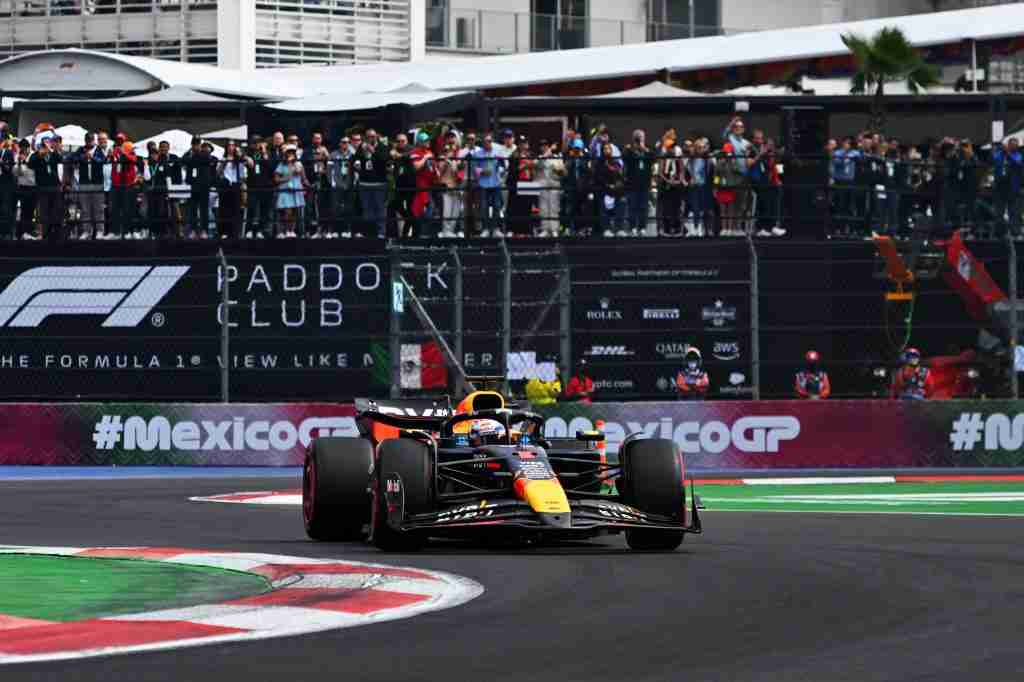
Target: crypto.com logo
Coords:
[(125, 294)]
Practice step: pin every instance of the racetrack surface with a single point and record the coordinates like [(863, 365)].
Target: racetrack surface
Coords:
[(761, 596)]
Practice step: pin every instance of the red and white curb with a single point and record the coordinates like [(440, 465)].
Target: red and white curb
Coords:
[(284, 498), (307, 595)]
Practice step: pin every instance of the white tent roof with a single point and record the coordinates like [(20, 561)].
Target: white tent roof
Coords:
[(72, 135), (412, 94), (237, 133), (180, 141), (985, 23), (655, 89)]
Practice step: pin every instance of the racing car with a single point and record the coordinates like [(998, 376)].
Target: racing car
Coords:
[(421, 470)]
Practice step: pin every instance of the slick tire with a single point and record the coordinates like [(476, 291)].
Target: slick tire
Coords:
[(413, 461), (335, 481), (652, 481)]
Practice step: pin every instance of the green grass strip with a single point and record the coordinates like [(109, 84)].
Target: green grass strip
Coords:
[(78, 588)]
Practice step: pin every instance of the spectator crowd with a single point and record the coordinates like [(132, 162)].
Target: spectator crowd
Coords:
[(447, 183)]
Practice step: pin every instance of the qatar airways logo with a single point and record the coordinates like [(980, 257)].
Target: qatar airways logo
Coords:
[(756, 435)]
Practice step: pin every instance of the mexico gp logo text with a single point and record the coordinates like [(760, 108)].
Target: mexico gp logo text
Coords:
[(757, 435), (125, 294), (997, 432), (228, 435)]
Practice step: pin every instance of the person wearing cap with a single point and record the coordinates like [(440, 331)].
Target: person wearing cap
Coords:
[(471, 198), (49, 193), (200, 174), (576, 185), (126, 180), (581, 386), (425, 168), (339, 209), (25, 177)]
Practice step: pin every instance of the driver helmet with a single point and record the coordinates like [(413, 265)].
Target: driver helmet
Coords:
[(693, 359), (813, 360), (486, 432), (912, 357)]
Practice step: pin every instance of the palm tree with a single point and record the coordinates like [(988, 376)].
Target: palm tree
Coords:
[(887, 57)]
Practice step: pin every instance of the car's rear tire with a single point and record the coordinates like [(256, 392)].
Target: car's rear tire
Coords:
[(335, 482), (413, 461), (652, 481)]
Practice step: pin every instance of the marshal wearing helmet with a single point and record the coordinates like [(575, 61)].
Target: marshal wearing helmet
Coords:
[(912, 381), (812, 381)]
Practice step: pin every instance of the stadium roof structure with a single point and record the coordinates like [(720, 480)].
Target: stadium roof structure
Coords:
[(597, 70)]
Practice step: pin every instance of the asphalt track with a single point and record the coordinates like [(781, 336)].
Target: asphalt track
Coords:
[(761, 596)]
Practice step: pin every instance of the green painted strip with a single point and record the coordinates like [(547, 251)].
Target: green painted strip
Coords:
[(78, 588), (959, 498)]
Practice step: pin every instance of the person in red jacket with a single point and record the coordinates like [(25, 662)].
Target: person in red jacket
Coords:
[(692, 381), (812, 381), (125, 179), (912, 381), (581, 386)]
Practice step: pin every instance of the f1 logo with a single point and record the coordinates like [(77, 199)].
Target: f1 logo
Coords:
[(126, 294)]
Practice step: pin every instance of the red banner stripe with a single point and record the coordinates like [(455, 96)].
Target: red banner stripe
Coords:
[(14, 622)]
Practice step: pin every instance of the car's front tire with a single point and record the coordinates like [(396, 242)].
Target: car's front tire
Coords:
[(335, 482), (413, 461), (652, 481)]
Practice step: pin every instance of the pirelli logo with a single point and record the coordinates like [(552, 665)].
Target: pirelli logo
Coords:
[(125, 295)]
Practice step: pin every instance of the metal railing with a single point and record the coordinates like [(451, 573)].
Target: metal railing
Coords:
[(479, 196)]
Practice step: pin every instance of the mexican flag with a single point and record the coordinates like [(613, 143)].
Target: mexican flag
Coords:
[(423, 366)]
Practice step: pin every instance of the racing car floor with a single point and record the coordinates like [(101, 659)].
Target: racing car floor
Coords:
[(760, 596)]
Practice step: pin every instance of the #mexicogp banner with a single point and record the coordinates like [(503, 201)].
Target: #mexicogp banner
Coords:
[(714, 435), (805, 435), (199, 434)]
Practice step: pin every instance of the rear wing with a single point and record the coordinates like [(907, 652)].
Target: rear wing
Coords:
[(425, 415)]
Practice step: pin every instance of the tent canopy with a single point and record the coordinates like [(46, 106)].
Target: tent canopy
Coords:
[(411, 95), (83, 71), (176, 96), (180, 141)]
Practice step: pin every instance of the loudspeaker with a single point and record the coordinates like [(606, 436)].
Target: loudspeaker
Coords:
[(804, 130)]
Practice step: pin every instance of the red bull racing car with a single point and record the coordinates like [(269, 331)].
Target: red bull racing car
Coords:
[(421, 470)]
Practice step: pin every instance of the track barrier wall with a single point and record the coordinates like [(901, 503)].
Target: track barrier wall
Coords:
[(713, 435)]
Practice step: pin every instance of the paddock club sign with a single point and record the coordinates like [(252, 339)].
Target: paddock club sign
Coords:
[(150, 328)]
